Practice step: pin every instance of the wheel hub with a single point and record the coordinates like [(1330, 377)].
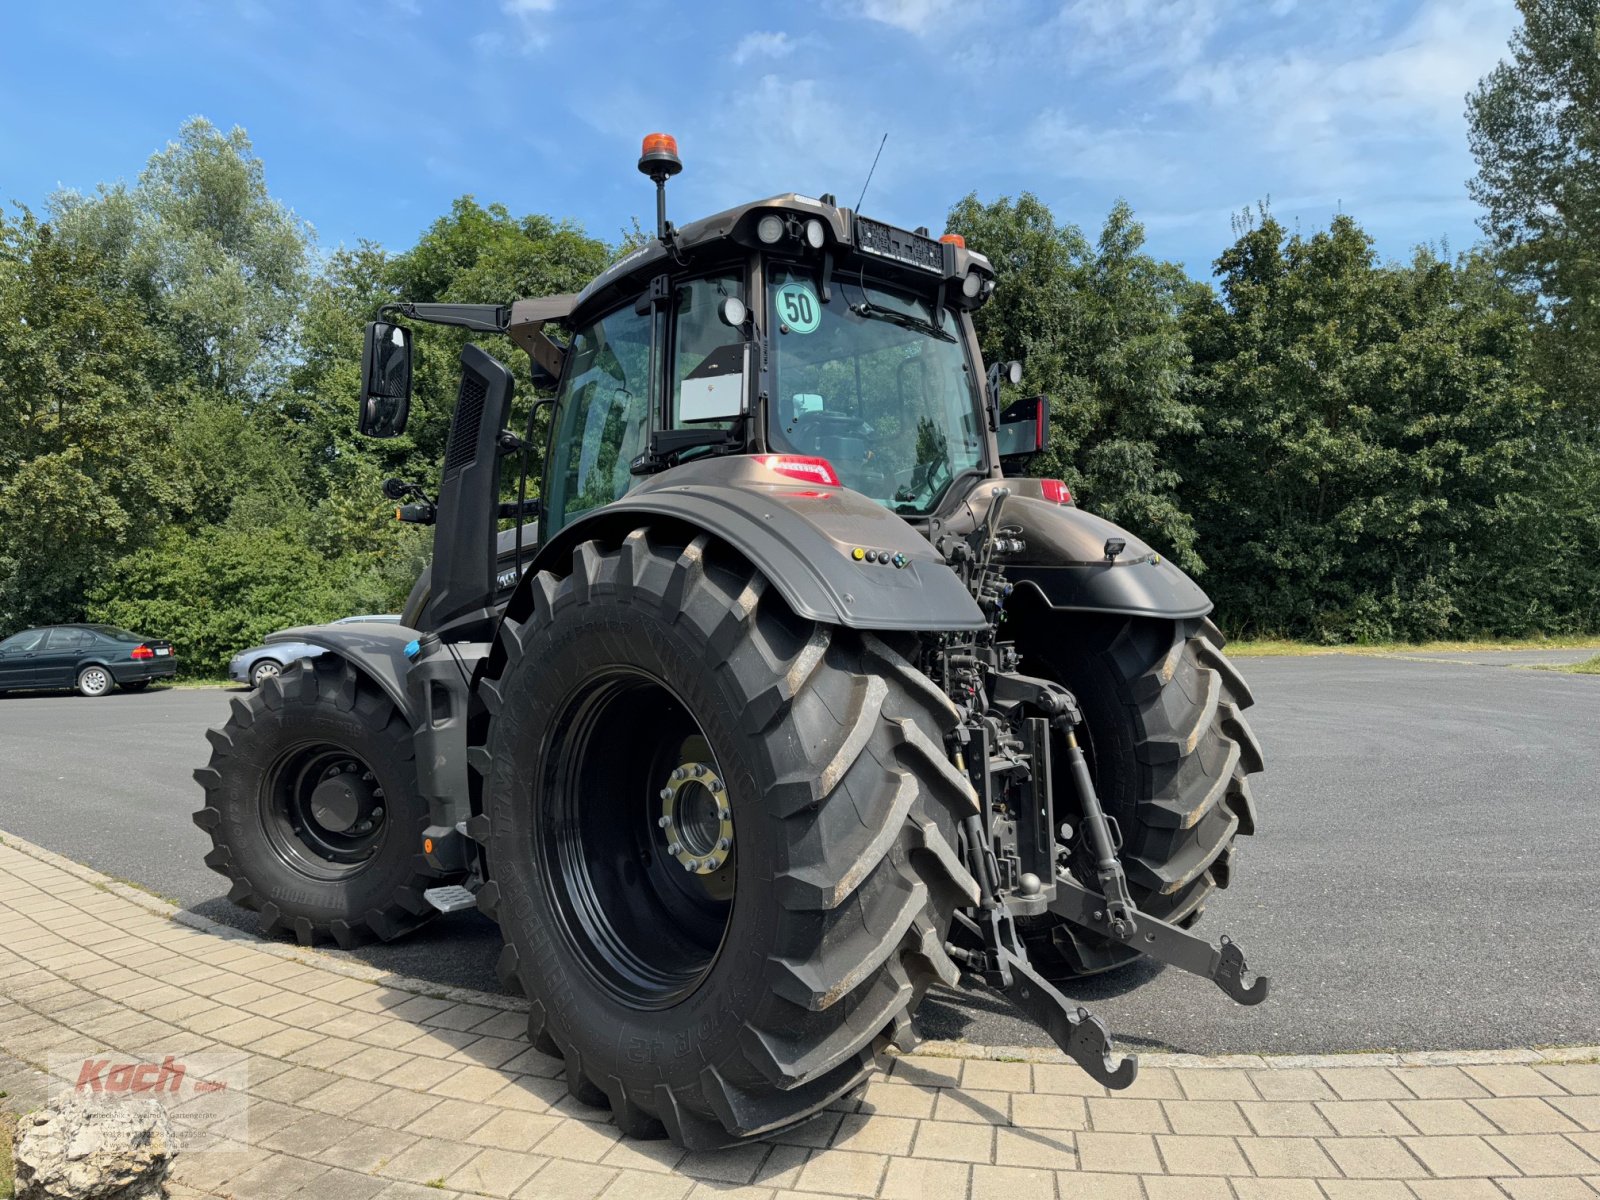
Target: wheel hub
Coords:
[(696, 819), (340, 803)]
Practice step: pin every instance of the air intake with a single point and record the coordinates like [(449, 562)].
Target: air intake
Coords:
[(462, 447)]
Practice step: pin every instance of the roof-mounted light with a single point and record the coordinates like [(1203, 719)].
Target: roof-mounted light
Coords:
[(814, 234), (770, 228), (954, 239), (659, 155)]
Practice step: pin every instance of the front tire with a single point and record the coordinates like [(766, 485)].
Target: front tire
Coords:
[(824, 925), (313, 808), (95, 681)]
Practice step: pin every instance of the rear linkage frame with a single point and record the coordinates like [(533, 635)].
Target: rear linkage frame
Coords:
[(1003, 744)]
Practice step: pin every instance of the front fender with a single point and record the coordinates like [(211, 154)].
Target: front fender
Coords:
[(376, 648), (1064, 560), (802, 537)]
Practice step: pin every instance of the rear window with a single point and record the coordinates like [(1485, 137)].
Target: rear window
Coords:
[(115, 633)]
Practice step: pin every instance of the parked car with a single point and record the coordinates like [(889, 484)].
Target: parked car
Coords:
[(91, 658), (264, 662)]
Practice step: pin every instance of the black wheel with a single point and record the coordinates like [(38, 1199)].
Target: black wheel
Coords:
[(265, 669), (1170, 753), (720, 839), (95, 680), (313, 809), (138, 685)]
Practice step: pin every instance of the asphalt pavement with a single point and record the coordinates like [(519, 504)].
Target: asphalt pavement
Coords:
[(1424, 876)]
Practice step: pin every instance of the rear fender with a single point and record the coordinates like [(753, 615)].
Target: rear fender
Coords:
[(1064, 560), (802, 537)]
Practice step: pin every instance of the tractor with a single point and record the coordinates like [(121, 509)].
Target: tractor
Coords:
[(789, 697)]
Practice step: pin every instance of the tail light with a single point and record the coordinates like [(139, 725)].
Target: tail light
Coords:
[(142, 651), (1055, 491), (799, 466)]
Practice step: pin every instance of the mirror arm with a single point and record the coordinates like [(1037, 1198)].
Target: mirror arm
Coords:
[(482, 318)]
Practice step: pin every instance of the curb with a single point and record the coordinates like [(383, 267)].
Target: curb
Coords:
[(342, 963)]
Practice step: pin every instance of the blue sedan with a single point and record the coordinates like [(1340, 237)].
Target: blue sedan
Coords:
[(255, 666)]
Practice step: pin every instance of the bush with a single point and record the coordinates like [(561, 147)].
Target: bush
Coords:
[(223, 589)]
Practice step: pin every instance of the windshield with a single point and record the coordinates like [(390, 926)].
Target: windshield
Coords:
[(868, 382)]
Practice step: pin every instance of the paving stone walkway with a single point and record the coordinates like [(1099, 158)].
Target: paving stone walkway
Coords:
[(366, 1085)]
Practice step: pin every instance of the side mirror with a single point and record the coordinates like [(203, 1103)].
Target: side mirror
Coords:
[(1024, 428), (385, 380)]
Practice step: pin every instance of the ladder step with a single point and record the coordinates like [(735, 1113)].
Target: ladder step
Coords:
[(450, 899)]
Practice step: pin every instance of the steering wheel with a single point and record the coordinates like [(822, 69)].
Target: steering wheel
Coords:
[(810, 428)]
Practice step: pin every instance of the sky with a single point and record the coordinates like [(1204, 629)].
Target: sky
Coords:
[(372, 115)]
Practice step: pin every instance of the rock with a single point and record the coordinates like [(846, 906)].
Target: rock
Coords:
[(80, 1149)]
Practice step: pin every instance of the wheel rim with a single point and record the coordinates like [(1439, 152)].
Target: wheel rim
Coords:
[(95, 681), (637, 850), (323, 811), (267, 671)]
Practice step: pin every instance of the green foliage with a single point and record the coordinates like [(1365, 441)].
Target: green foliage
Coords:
[(1535, 131), (218, 591), (1364, 426)]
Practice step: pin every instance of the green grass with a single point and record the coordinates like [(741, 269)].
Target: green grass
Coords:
[(1589, 666), (1265, 647)]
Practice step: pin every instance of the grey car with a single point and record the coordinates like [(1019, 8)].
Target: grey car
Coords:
[(264, 662)]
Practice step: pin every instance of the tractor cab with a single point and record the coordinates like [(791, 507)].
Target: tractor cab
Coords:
[(790, 327), (837, 347)]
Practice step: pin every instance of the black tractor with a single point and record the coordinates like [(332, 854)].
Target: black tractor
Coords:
[(791, 695)]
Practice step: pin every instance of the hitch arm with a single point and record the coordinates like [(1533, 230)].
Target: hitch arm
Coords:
[(1082, 1036), (1223, 963)]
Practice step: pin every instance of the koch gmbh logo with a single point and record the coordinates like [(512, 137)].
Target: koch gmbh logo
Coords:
[(205, 1095)]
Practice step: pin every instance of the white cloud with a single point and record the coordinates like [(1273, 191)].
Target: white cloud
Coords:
[(763, 45), (527, 16), (1320, 107), (914, 16), (1135, 37)]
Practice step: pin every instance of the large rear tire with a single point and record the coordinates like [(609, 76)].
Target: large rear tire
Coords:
[(313, 808), (713, 1001), (1171, 755)]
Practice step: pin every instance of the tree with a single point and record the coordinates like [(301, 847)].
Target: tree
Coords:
[(82, 426), (1534, 128), (1364, 426), (1097, 329), (217, 261)]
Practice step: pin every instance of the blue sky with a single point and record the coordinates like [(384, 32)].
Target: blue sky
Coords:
[(371, 115)]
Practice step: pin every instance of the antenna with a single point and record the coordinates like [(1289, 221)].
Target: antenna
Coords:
[(874, 167)]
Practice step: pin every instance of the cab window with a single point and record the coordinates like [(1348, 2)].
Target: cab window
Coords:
[(602, 416), (708, 357)]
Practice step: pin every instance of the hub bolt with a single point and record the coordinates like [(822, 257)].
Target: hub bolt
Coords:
[(715, 785), (722, 844), (663, 822), (666, 793), (699, 770), (675, 848), (723, 814)]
